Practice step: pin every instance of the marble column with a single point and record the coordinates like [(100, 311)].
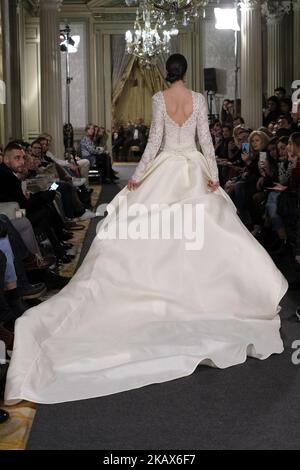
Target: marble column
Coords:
[(51, 96), (275, 52), (296, 6), (251, 62), (198, 69), (10, 12)]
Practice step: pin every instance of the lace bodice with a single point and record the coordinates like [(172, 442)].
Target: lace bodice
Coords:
[(165, 134)]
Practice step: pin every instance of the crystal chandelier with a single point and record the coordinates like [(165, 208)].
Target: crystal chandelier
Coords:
[(151, 35), (171, 10), (147, 40)]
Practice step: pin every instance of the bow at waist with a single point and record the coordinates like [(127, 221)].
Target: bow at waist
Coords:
[(181, 152)]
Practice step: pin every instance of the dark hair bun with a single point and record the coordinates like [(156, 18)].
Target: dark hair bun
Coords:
[(176, 67), (171, 77)]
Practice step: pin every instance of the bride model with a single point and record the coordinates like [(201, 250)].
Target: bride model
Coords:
[(147, 310)]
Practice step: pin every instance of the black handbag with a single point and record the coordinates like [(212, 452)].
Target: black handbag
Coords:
[(288, 207)]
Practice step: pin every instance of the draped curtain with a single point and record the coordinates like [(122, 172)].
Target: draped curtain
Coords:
[(133, 96), (133, 84), (120, 59)]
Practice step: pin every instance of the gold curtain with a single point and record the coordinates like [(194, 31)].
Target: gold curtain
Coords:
[(132, 98)]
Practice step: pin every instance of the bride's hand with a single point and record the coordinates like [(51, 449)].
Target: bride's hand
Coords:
[(132, 184), (213, 185)]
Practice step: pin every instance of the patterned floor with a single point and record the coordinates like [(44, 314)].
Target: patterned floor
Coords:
[(14, 433)]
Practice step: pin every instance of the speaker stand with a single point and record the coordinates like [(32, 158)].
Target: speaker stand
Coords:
[(210, 99)]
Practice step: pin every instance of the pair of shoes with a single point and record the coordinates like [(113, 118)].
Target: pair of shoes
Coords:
[(77, 182), (33, 291), (39, 262), (4, 416), (88, 215), (66, 235), (66, 246), (73, 226), (55, 281), (65, 259)]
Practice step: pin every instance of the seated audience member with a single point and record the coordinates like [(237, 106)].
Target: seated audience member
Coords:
[(96, 155), (216, 133), (118, 139), (244, 187), (136, 135), (238, 121), (227, 113), (80, 167), (267, 131), (286, 122), (280, 93), (294, 184), (271, 212), (284, 209), (73, 199), (272, 112), (285, 106), (39, 208)]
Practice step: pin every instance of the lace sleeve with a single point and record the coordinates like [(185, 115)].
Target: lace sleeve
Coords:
[(205, 140), (154, 140)]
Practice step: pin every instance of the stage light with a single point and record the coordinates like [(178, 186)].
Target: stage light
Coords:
[(71, 44), (226, 18)]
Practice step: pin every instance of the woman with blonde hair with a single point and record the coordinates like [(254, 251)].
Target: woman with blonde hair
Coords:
[(259, 141)]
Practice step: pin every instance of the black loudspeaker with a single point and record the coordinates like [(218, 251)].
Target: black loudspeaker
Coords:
[(210, 80)]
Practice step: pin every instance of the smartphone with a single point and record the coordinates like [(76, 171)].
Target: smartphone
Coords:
[(246, 148), (263, 156), (20, 213), (295, 107), (53, 187)]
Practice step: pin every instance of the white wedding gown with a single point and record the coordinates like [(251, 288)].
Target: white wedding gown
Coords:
[(140, 312)]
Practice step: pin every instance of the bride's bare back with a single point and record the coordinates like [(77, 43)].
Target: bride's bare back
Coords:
[(179, 104)]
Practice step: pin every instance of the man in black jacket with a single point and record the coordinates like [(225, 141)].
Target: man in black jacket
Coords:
[(11, 187), (39, 208)]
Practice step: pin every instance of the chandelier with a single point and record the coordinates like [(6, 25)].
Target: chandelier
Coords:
[(171, 10), (147, 40), (156, 22)]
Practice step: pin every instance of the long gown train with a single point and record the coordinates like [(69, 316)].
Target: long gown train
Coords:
[(140, 312)]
